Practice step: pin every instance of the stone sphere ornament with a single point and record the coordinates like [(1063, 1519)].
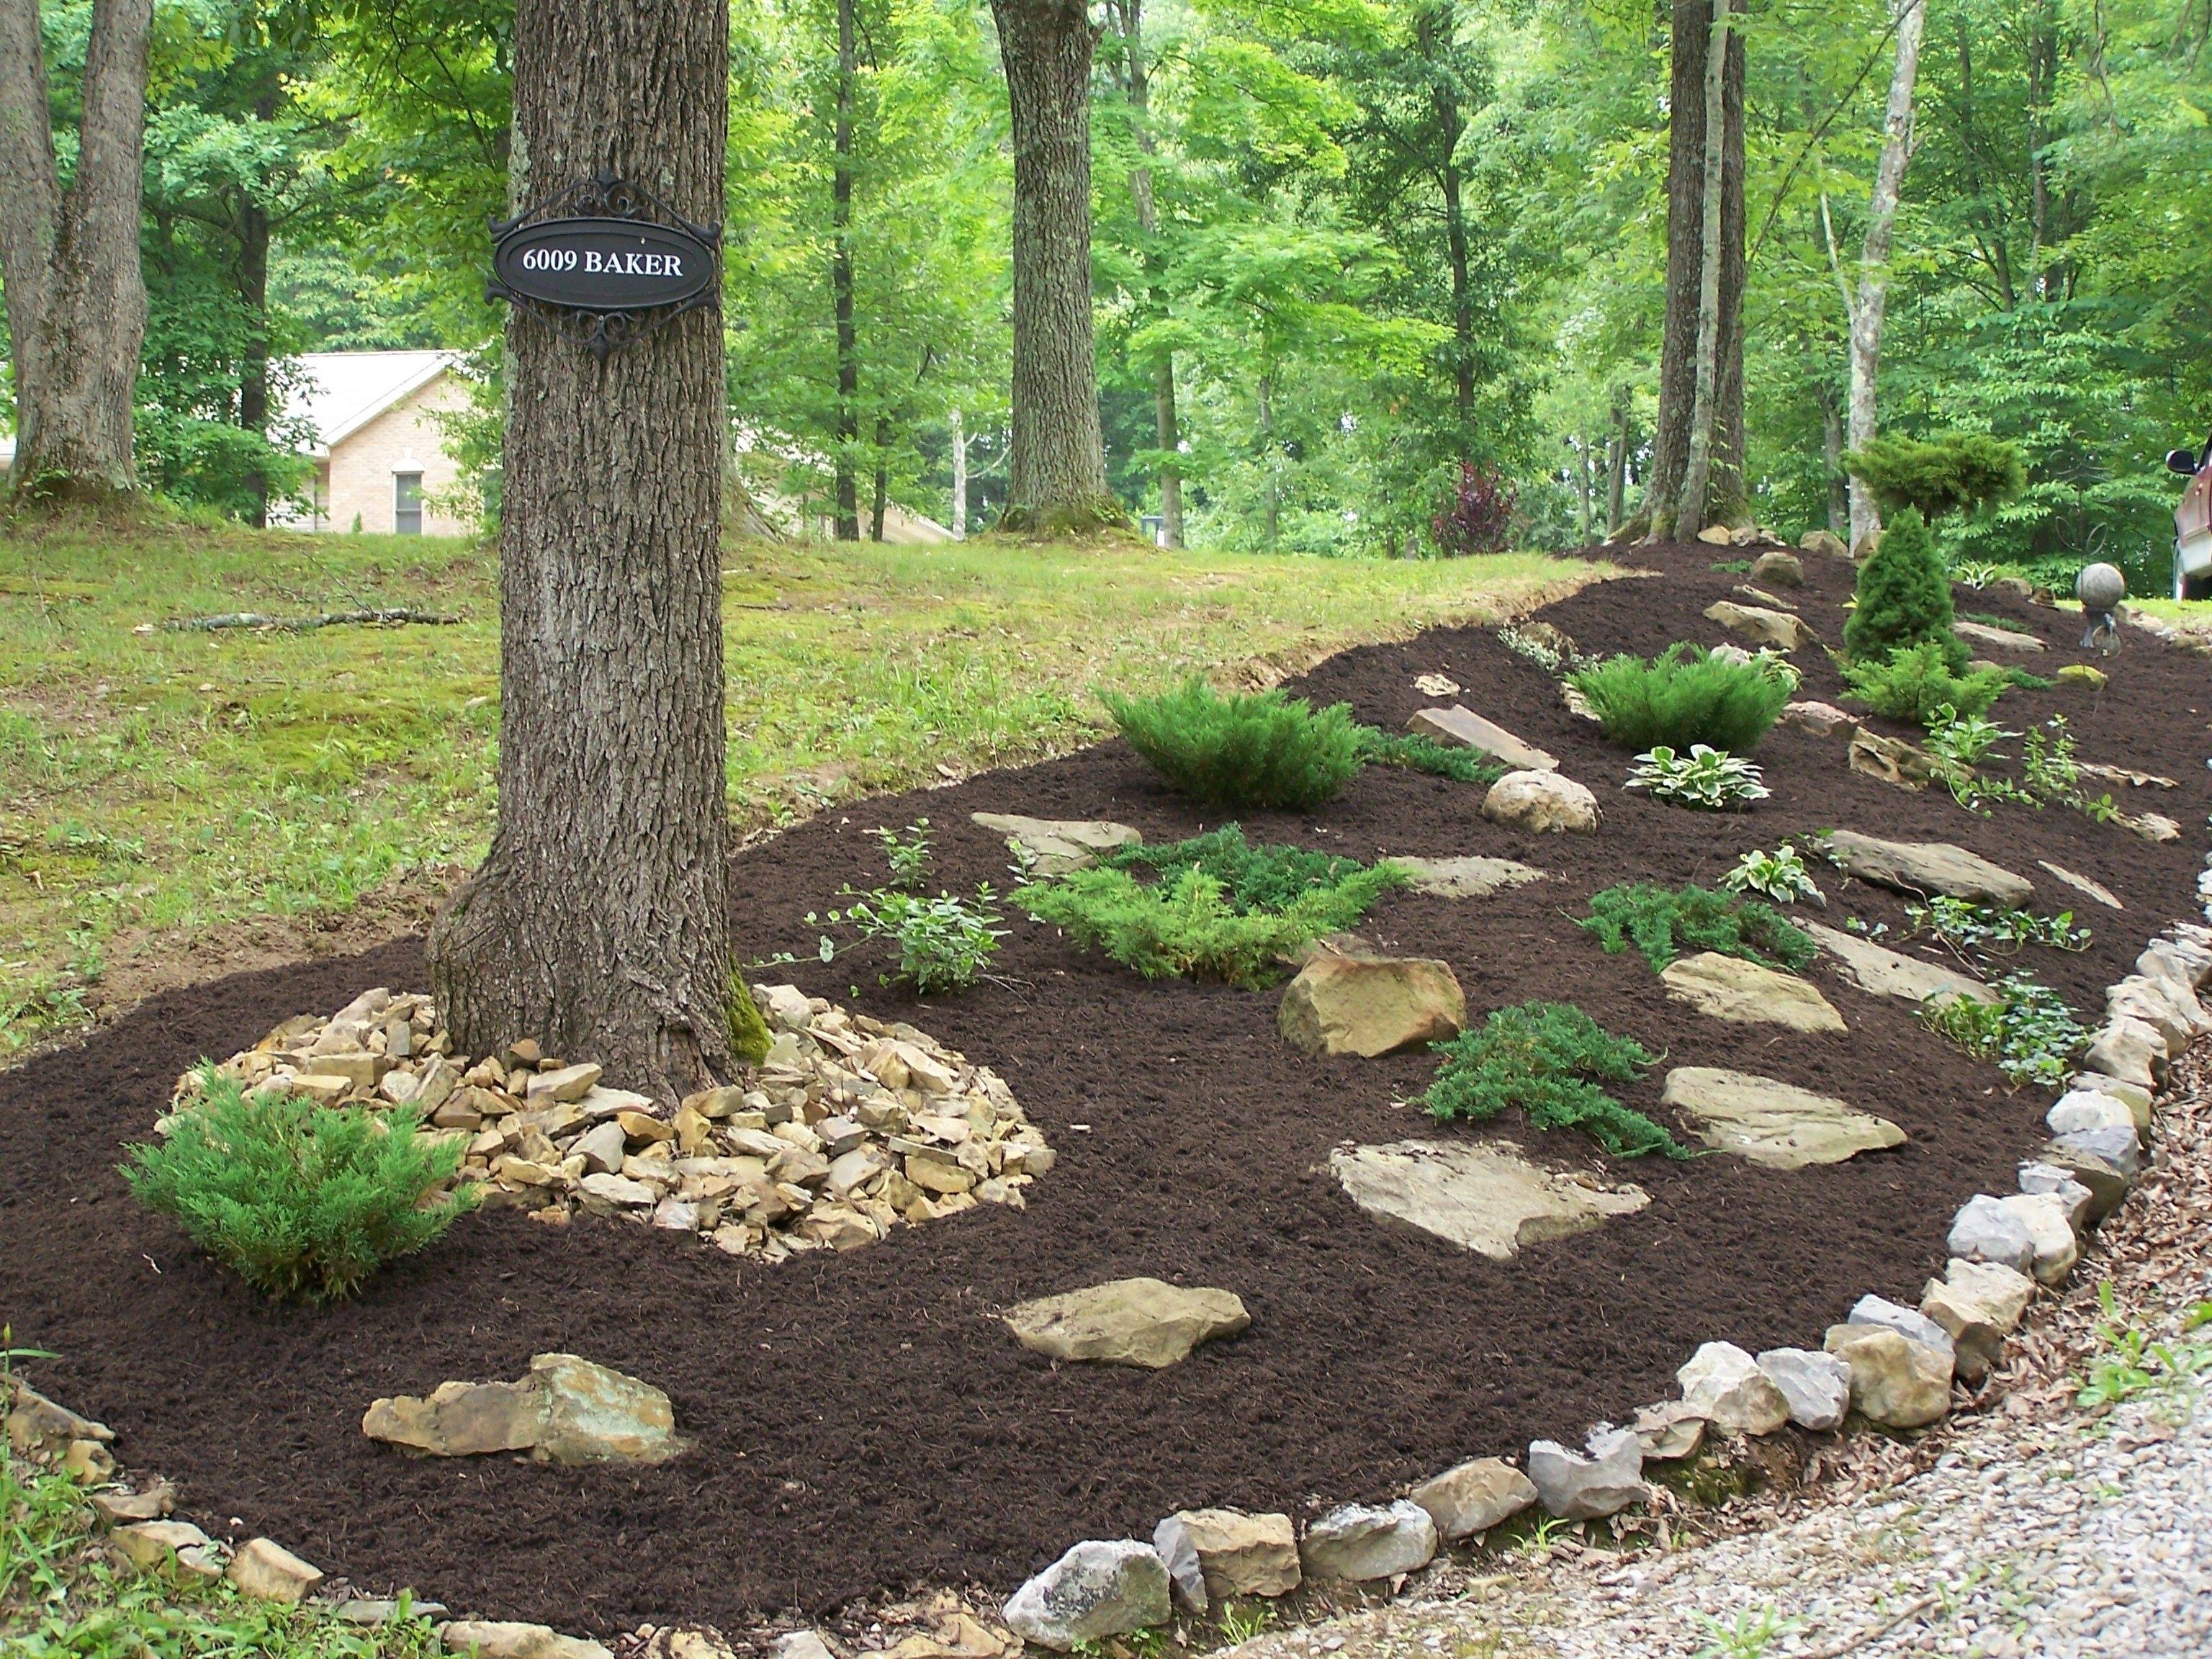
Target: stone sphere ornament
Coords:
[(2100, 587)]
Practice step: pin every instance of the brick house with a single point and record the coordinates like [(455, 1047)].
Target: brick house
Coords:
[(380, 461)]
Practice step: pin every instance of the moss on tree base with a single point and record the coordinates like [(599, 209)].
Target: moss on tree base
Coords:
[(1066, 521)]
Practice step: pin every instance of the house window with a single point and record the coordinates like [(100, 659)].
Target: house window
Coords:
[(407, 503)]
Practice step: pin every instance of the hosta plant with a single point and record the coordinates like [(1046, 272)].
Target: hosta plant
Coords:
[(1705, 779), (1780, 875)]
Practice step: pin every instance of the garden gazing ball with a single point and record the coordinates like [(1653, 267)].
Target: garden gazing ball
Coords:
[(2101, 587)]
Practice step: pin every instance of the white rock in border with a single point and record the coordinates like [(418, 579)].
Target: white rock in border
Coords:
[(1905, 1321), (1100, 1587), (2080, 1203), (1818, 1386), (1724, 1385), (2089, 1108), (267, 1571), (1579, 1488), (1214, 1554), (2127, 1049), (1473, 1497), (1363, 1541), (1985, 1231), (495, 1638)]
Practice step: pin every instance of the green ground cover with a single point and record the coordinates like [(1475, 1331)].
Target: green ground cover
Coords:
[(157, 783)]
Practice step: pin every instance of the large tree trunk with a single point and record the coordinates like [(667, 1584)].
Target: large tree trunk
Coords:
[(69, 259), (1690, 511), (959, 525), (1866, 308), (1691, 34), (1832, 461), (1433, 29), (1058, 485), (841, 282), (599, 921), (1616, 462), (253, 371)]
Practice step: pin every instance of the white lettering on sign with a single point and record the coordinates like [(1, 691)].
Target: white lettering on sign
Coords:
[(620, 264)]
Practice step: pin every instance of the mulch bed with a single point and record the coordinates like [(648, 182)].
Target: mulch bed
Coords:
[(864, 1425)]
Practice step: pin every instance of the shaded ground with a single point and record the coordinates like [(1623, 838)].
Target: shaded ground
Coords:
[(862, 1422)]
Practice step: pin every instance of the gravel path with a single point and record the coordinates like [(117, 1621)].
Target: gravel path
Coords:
[(2027, 1525)]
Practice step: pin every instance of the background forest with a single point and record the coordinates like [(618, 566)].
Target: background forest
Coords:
[(1341, 247)]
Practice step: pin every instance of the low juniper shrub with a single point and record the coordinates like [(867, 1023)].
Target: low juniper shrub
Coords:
[(1421, 754), (1917, 683), (1684, 696), (303, 1201), (1663, 923), (1249, 749), (1548, 1059)]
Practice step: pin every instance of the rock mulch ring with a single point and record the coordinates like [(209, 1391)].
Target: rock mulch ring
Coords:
[(1195, 1147), (854, 1126)]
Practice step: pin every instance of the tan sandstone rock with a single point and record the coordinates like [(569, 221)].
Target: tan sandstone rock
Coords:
[(1368, 1006), (1127, 1321)]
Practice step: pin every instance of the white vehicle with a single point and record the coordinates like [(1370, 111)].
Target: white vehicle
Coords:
[(2192, 524)]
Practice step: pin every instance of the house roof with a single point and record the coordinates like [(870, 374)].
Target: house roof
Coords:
[(338, 392)]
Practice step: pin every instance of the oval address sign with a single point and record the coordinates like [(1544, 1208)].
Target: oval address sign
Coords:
[(605, 265)]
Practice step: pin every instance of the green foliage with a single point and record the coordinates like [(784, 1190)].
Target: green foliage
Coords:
[(1190, 923), (1964, 472), (1704, 779), (1249, 749), (1780, 875), (1422, 754), (1547, 1059), (1664, 923), (944, 943), (1918, 683), (1684, 696), (1252, 879), (1994, 929), (303, 1201), (908, 856), (2134, 1366), (2029, 1031), (1903, 593)]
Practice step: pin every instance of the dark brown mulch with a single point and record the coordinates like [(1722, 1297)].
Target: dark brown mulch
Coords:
[(863, 1425)]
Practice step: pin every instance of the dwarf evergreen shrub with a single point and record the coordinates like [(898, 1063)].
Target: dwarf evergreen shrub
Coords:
[(1915, 682), (1547, 1059), (1418, 754), (303, 1201), (1684, 696), (1961, 473), (1665, 922), (1257, 749), (1221, 910), (1904, 597)]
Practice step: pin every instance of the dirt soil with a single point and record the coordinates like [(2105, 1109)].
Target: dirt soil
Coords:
[(864, 1425)]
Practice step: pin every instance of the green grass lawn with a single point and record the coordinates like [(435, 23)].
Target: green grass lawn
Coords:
[(155, 783)]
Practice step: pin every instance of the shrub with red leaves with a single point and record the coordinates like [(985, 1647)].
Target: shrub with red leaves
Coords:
[(1480, 513)]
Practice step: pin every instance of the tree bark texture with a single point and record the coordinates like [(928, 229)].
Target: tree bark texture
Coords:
[(253, 372), (1690, 511), (1129, 17), (1691, 34), (599, 922), (75, 291), (1433, 30), (959, 525), (1616, 462), (1059, 454), (1866, 308)]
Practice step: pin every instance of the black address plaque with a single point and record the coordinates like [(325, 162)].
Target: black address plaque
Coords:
[(605, 262)]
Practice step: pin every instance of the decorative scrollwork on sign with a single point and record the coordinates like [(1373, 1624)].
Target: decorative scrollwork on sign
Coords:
[(605, 262)]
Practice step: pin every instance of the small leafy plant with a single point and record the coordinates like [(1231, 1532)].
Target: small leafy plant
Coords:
[(1685, 697), (1663, 923), (1963, 739), (1547, 1059), (1704, 779), (1918, 682), (1420, 754), (1780, 875), (2134, 1365), (943, 944), (1257, 749), (1220, 908), (303, 1201), (1996, 930), (2029, 1031), (908, 856)]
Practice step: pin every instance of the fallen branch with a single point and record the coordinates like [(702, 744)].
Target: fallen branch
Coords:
[(1872, 1633), (385, 618)]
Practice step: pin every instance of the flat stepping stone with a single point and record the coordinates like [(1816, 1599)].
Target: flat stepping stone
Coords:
[(1928, 866), (1784, 630), (1469, 876), (1882, 972), (1346, 1002), (575, 1411), (1059, 845), (1728, 987), (1462, 728), (1127, 1322), (1771, 1122), (1481, 1196), (2083, 884), (2003, 638)]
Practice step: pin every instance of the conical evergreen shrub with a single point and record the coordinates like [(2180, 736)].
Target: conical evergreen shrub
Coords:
[(1904, 597)]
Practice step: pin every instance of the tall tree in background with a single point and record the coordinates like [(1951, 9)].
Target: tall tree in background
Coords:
[(69, 257), (599, 922), (1059, 462), (1703, 280), (848, 520), (1865, 308), (1136, 85)]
